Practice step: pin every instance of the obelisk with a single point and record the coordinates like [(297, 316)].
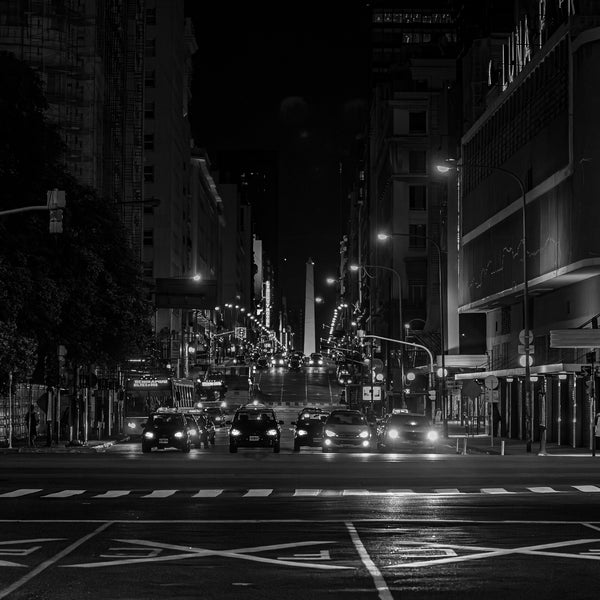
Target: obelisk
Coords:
[(309, 310)]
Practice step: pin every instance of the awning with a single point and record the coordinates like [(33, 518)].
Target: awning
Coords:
[(553, 369)]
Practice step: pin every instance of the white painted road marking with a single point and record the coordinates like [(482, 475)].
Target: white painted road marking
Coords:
[(495, 491), (160, 494), (113, 494), (380, 584), (258, 493), (542, 490), (488, 552), (323, 555), (21, 492), (208, 494), (447, 491), (587, 488), (355, 493), (306, 492), (191, 552), (65, 494)]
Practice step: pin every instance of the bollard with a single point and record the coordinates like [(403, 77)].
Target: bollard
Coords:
[(464, 450), (502, 448)]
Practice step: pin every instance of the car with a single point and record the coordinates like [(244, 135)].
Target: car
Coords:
[(205, 427), (316, 360), (255, 426), (308, 427), (262, 362), (217, 415), (403, 429), (278, 360), (294, 364), (345, 428), (167, 429)]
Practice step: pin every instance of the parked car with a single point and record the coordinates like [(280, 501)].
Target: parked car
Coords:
[(254, 426), (405, 430), (308, 427), (167, 428), (346, 428)]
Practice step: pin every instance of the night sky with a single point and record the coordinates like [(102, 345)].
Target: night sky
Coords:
[(291, 79)]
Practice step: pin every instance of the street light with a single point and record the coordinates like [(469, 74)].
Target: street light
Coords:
[(384, 236), (400, 326), (450, 165)]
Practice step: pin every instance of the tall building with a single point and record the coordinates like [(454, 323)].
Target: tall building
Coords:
[(89, 56), (527, 190)]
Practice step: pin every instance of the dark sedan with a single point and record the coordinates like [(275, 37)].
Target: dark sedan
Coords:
[(254, 426), (308, 427), (405, 430)]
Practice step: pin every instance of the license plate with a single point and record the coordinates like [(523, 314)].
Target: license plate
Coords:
[(163, 440), (254, 438)]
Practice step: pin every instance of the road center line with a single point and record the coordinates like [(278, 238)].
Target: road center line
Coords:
[(47, 563), (380, 584)]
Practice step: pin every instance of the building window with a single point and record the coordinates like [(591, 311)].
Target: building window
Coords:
[(417, 197), (417, 122), (417, 236), (417, 161), (148, 141), (151, 16), (417, 292), (150, 48), (149, 110), (150, 79), (148, 173)]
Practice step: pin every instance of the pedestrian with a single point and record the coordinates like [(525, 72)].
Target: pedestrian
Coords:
[(32, 424), (497, 420)]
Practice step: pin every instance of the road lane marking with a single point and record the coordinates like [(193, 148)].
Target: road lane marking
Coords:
[(208, 494), (21, 492), (160, 494), (191, 552), (113, 494), (543, 490), (48, 563), (355, 492), (380, 584), (306, 492), (495, 491), (65, 494), (401, 492), (587, 488), (488, 552), (322, 555), (258, 493), (447, 491)]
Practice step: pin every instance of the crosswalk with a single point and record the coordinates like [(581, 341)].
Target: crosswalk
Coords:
[(162, 494)]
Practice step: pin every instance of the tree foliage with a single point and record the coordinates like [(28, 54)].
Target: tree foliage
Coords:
[(82, 288)]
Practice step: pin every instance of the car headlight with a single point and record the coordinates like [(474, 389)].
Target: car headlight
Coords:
[(272, 432), (432, 436), (330, 433), (363, 434), (131, 425), (393, 434), (320, 362), (235, 432), (148, 435), (302, 432), (178, 434)]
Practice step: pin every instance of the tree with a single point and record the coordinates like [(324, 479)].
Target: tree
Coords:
[(82, 288)]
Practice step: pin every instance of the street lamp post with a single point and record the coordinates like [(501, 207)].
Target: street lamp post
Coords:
[(451, 165), (385, 236), (400, 324)]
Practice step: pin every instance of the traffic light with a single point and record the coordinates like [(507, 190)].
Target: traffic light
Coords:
[(56, 203)]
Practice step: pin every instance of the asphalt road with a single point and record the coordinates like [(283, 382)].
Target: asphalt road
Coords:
[(259, 525)]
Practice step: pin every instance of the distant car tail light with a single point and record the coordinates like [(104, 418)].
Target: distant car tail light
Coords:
[(148, 435)]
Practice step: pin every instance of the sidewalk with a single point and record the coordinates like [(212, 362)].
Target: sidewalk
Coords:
[(483, 444), (21, 447)]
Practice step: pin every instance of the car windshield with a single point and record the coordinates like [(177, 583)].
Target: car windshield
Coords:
[(254, 416), (411, 420), (169, 420), (346, 419)]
